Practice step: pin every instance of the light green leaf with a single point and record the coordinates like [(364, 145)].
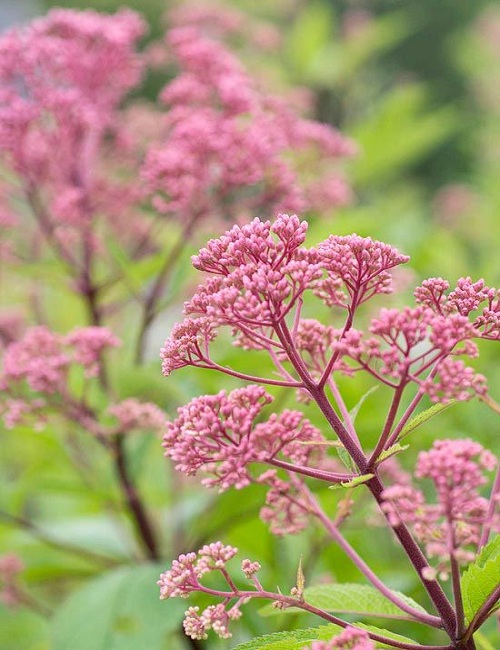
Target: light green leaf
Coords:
[(401, 132), (355, 482), (21, 629), (482, 642), (118, 611), (295, 640), (308, 36), (386, 633), (291, 640), (423, 417), (481, 578), (393, 449), (349, 598), (346, 459)]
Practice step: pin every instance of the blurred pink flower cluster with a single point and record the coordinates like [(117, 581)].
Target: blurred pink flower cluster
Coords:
[(37, 373), (453, 524), (232, 150)]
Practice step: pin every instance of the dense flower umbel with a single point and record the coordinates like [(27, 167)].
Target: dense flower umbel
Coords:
[(35, 380), (258, 276), (452, 525), (184, 578), (217, 434), (63, 77), (226, 136)]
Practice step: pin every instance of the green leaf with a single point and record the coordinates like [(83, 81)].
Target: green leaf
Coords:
[(481, 578), (482, 642), (309, 34), (346, 459), (393, 449), (423, 417), (21, 629), (387, 633), (355, 482), (400, 133), (291, 640), (295, 640), (349, 598), (118, 611)]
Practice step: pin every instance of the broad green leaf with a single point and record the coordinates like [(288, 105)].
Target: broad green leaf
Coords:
[(338, 61), (118, 611), (423, 417), (386, 633), (349, 598), (393, 449), (290, 640), (355, 410), (482, 642), (93, 533), (295, 640), (21, 629), (481, 578)]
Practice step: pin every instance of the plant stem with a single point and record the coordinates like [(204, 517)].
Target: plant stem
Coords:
[(483, 612), (290, 601), (391, 416), (331, 477), (415, 555), (141, 519), (418, 560), (358, 561)]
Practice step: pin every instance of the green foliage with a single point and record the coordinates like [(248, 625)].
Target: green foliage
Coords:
[(423, 417), (22, 630), (117, 611), (392, 451), (399, 131), (362, 600), (481, 579), (295, 640)]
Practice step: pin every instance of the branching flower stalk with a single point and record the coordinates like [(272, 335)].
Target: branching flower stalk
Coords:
[(260, 279)]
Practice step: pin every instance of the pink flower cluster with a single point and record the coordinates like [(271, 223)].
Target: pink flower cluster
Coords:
[(184, 577), (259, 275), (228, 143), (63, 131), (217, 434), (133, 414), (472, 300), (43, 359), (452, 525), (62, 79), (221, 21), (349, 639)]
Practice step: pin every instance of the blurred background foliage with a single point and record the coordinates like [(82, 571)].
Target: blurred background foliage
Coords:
[(416, 84)]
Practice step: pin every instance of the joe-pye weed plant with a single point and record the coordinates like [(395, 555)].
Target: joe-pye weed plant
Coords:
[(263, 284)]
